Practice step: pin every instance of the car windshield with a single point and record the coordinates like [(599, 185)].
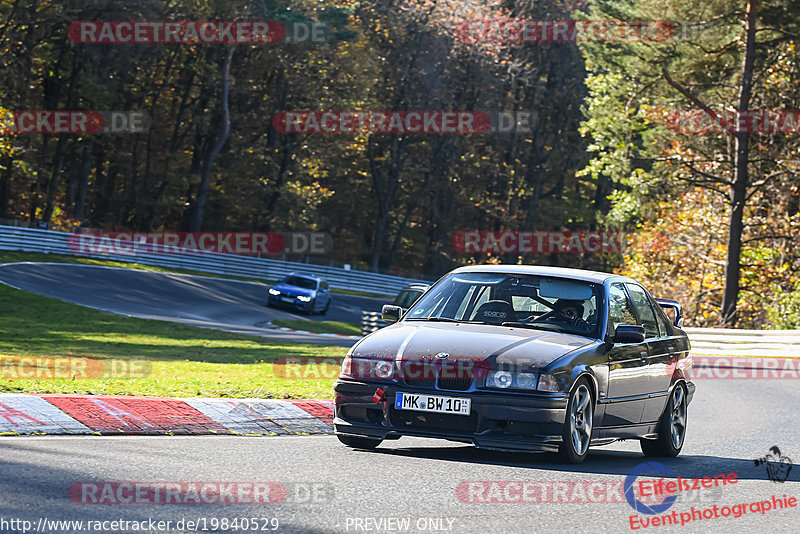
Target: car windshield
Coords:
[(305, 283), (527, 301)]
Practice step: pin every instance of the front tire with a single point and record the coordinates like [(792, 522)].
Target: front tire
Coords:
[(576, 434), (671, 427), (359, 443)]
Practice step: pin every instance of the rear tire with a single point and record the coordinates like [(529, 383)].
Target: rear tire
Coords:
[(671, 427), (576, 434), (359, 443)]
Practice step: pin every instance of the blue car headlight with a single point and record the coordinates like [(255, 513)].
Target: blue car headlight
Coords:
[(273, 291), (302, 298)]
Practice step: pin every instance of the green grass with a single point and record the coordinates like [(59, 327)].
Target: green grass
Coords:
[(177, 360), (321, 327), (7, 256)]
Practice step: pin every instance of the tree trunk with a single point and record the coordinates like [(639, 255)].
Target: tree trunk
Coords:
[(6, 169), (83, 181), (202, 194), (55, 177), (730, 294), (386, 196)]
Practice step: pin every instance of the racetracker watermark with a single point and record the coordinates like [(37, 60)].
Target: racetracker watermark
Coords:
[(418, 369), (311, 368), (74, 122), (521, 242), (510, 30), (194, 32), (245, 243), (727, 368), (175, 32), (387, 122), (32, 368), (184, 524), (701, 122), (404, 122), (169, 493), (560, 492), (306, 368)]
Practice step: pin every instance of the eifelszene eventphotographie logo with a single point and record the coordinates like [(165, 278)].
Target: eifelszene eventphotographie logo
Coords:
[(778, 466)]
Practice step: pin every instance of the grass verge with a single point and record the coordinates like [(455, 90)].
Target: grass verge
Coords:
[(129, 356)]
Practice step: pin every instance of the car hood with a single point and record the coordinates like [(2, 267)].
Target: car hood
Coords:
[(485, 345), (293, 290)]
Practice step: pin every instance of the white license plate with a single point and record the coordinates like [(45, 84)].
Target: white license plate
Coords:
[(287, 299), (432, 403)]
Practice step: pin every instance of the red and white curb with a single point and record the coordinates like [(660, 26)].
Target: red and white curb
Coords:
[(100, 414)]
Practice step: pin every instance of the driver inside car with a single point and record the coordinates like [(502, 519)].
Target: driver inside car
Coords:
[(570, 312)]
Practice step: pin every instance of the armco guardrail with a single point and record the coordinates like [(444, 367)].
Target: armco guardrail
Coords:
[(48, 241), (371, 321), (733, 342)]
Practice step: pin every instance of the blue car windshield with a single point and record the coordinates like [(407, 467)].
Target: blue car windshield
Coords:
[(520, 300), (305, 283)]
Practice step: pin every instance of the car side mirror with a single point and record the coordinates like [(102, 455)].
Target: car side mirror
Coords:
[(629, 333), (391, 314), (673, 309)]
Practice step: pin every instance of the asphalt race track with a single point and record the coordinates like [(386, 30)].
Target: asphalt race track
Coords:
[(231, 305), (410, 485), (330, 487)]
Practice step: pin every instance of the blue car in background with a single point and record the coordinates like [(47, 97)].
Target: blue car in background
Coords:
[(304, 293)]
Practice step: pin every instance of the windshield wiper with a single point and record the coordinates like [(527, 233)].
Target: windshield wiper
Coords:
[(444, 320), (528, 325), (545, 326), (438, 319)]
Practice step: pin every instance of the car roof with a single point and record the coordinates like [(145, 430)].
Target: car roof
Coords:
[(308, 276), (416, 286), (541, 270)]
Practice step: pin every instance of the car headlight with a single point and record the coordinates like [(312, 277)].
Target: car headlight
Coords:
[(273, 291), (508, 379), (548, 383), (301, 298), (367, 368)]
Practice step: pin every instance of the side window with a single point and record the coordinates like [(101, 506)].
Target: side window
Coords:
[(406, 298), (620, 310), (661, 316), (324, 285), (645, 310)]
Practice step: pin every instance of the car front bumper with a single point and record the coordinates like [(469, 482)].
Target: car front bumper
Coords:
[(499, 421), (294, 304)]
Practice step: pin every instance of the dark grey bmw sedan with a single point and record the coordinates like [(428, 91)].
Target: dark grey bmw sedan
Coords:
[(522, 358)]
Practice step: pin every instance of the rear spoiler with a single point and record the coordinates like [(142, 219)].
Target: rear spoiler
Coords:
[(673, 309)]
